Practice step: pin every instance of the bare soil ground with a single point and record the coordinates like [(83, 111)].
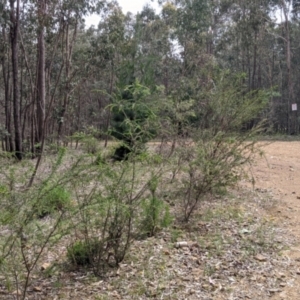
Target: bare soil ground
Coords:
[(279, 173)]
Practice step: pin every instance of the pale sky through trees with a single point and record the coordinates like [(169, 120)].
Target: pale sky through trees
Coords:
[(132, 6), (135, 5)]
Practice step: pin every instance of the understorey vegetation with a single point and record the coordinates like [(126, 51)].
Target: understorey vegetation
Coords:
[(96, 207)]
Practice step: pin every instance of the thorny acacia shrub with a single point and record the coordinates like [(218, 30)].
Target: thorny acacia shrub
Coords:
[(227, 106), (24, 238), (220, 150), (210, 168), (111, 211)]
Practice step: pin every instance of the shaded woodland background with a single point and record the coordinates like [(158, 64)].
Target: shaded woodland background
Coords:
[(58, 79)]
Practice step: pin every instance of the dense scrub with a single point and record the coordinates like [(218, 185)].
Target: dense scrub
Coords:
[(97, 207)]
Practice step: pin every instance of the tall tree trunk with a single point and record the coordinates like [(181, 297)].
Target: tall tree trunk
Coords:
[(108, 120), (68, 68), (67, 86), (254, 62), (41, 94), (8, 140), (8, 144), (14, 32), (285, 10)]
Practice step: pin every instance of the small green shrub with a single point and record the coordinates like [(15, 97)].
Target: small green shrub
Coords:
[(83, 253), (100, 159), (90, 145), (156, 216), (156, 212), (3, 190), (56, 199)]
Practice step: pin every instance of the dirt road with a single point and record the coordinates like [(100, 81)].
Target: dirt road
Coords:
[(279, 172)]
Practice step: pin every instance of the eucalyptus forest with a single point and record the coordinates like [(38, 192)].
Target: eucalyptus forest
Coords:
[(59, 78), (124, 146)]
